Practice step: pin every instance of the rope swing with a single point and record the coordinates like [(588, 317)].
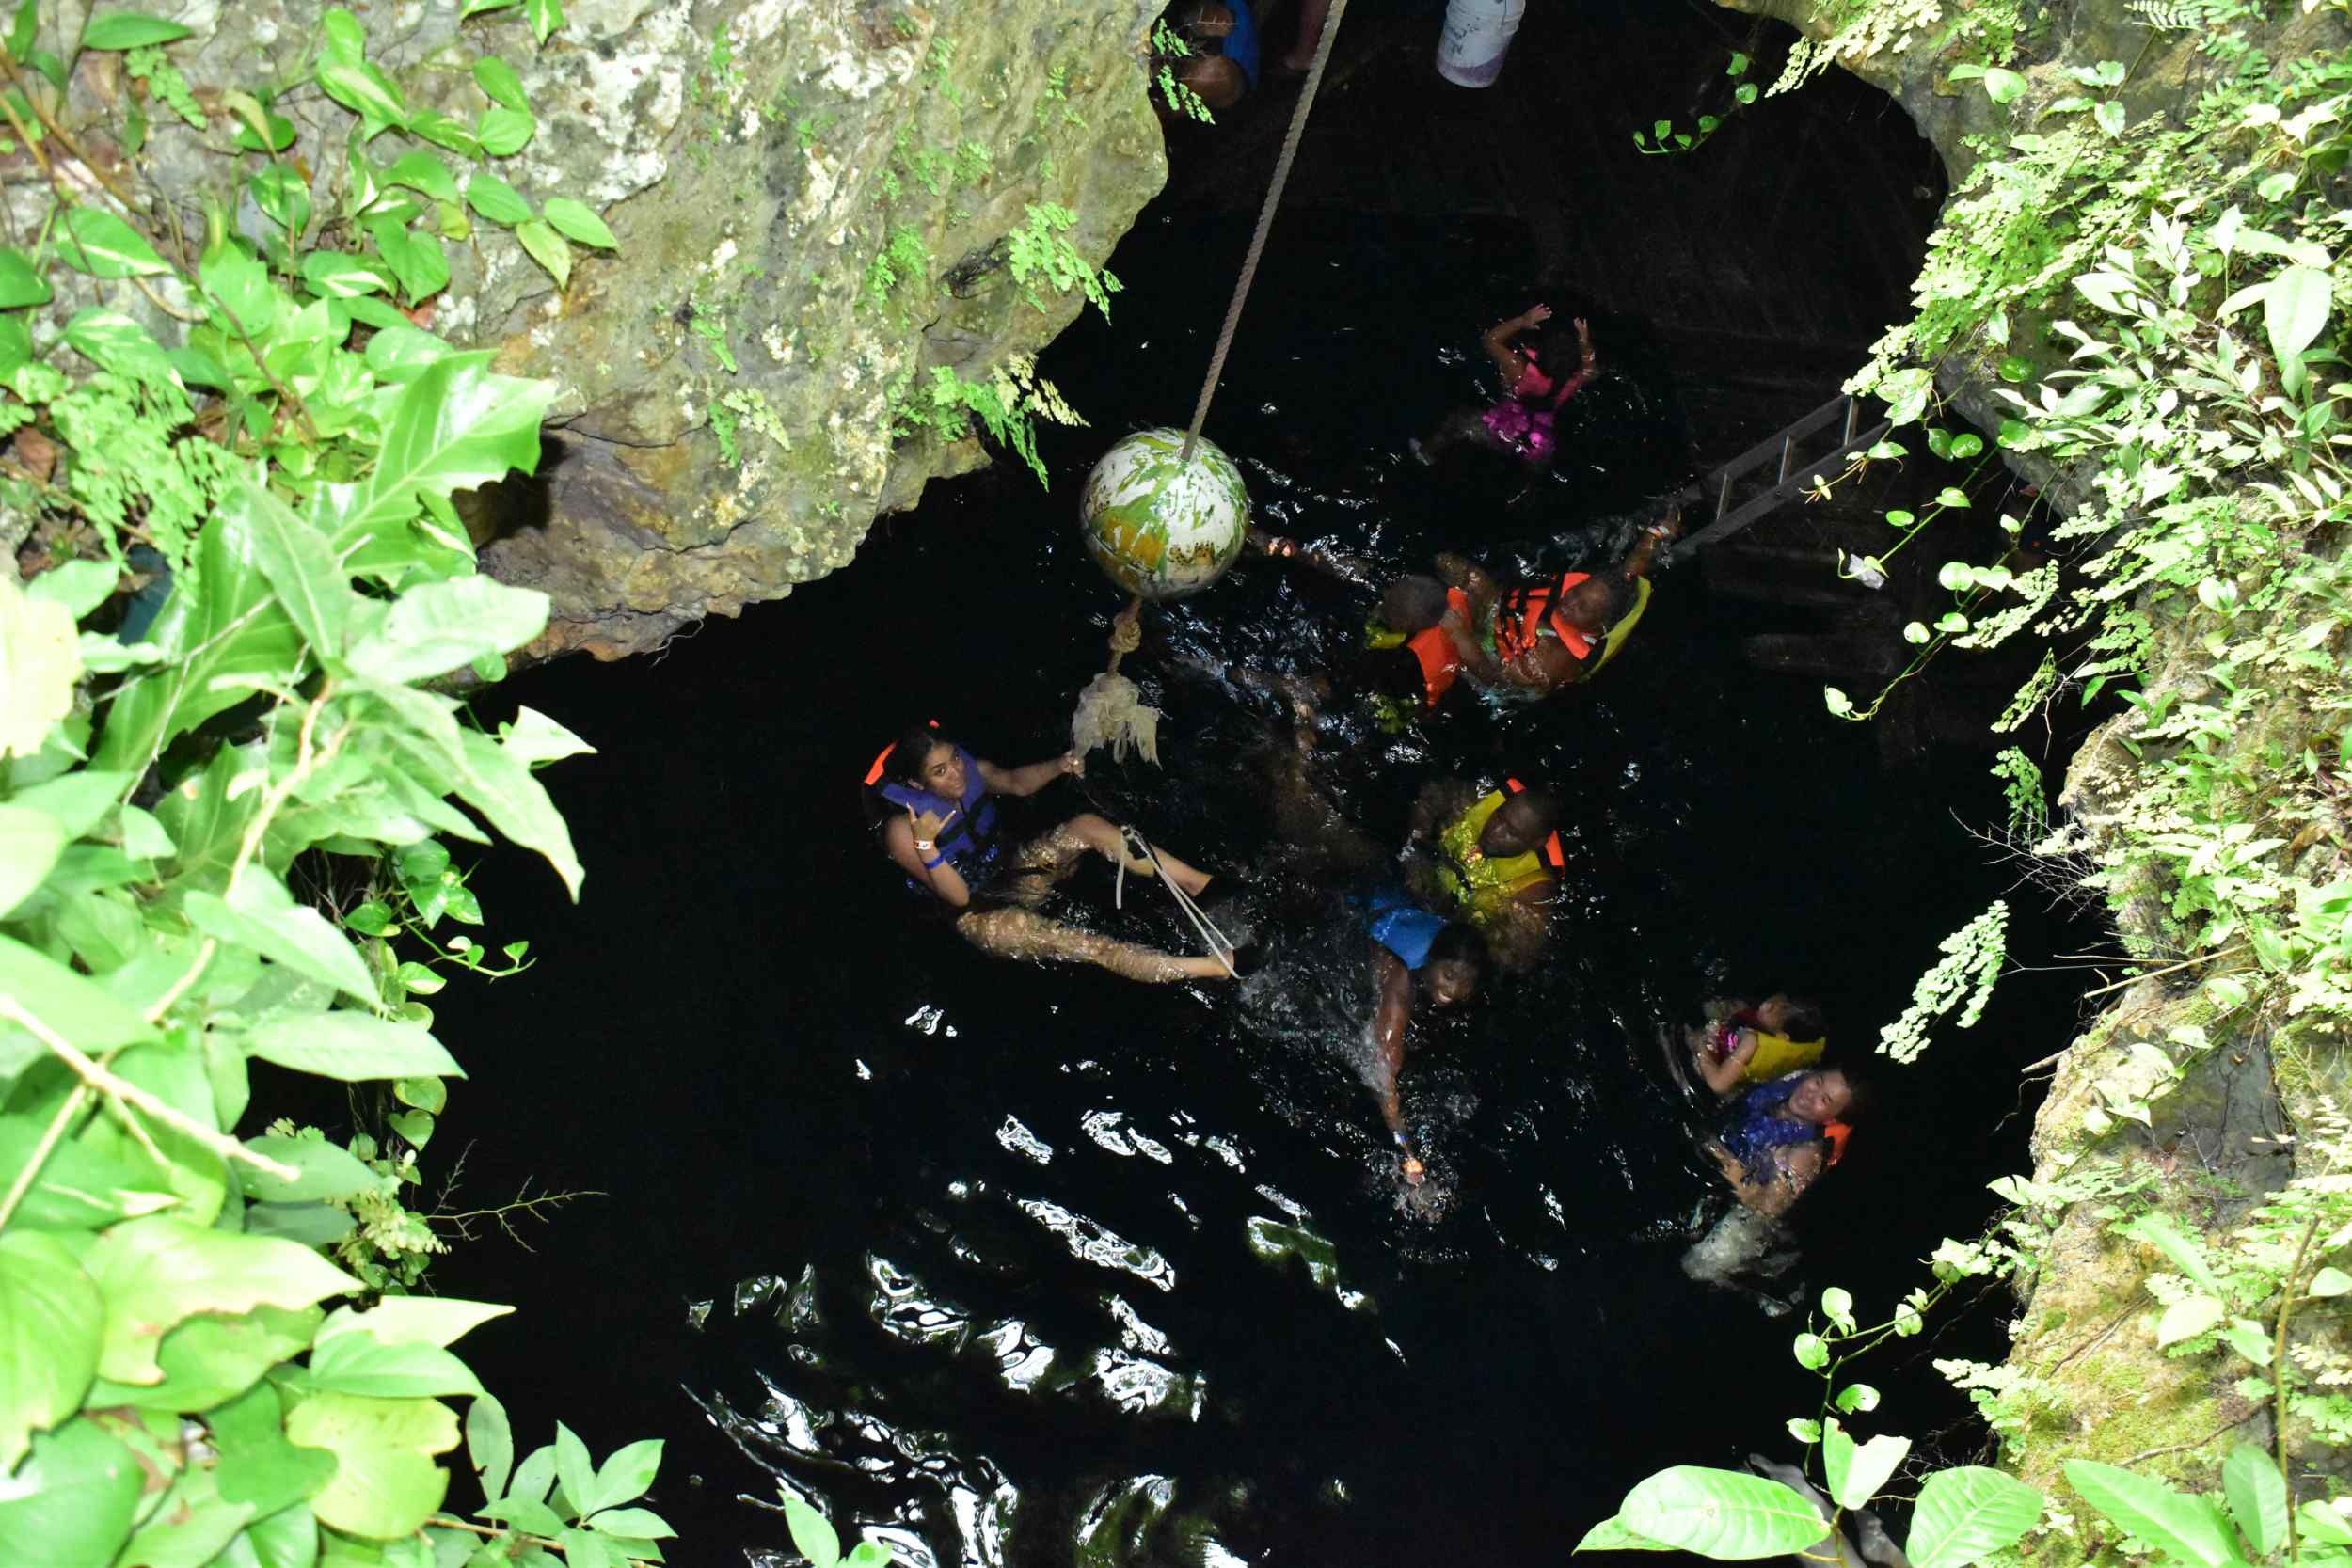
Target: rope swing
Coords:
[(1111, 711)]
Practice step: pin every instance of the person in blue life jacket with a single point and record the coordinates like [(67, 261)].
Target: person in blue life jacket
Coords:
[(937, 820), (1779, 1137), (1416, 956)]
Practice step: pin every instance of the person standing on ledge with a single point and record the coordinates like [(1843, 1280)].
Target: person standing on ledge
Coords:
[(936, 817)]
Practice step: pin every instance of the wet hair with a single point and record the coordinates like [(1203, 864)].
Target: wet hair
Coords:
[(909, 752), (1558, 351), (1542, 802), (1458, 943), (1803, 1020), (1412, 603)]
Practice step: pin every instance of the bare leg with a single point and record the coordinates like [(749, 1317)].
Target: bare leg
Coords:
[(1302, 53), (1018, 933), (1098, 834)]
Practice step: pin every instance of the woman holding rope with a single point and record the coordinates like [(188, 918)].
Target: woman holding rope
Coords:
[(933, 806)]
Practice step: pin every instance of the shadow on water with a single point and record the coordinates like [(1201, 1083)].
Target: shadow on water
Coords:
[(1028, 1266)]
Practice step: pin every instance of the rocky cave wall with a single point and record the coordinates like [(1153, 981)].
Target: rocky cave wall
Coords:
[(811, 200), (2088, 1380)]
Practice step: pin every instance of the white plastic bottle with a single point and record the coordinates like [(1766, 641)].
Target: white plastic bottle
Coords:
[(1477, 36)]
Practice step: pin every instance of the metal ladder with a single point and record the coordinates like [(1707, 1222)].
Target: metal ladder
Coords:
[(1793, 475)]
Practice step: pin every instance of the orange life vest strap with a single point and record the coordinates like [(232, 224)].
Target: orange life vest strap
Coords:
[(1535, 608), (873, 774), (1552, 855), (1836, 1132), (1433, 651)]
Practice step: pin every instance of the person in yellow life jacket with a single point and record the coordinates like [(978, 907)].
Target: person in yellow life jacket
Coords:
[(1493, 856), (1741, 1045), (1535, 637)]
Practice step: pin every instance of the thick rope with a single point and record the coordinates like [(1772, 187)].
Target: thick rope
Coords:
[(1265, 224), (1210, 937)]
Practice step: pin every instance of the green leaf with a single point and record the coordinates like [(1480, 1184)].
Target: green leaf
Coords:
[(30, 841), (339, 275), (1858, 1398), (212, 1357), (504, 132), (638, 1524), (259, 914), (371, 919), (323, 1170), (281, 136), (454, 427), (401, 353), (2003, 87), (2326, 1282), (157, 1270), (497, 201), (50, 1315), (298, 562), (417, 260), (2246, 1337), (813, 1536), (386, 1482), (26, 30), (423, 1320), (1811, 1350), (1855, 1474), (118, 30), (584, 1550), (2294, 308), (1839, 705), (475, 7), (500, 84), (437, 626), (1746, 92), (359, 1363), (548, 248), (102, 245), (65, 1003), (79, 1188), (364, 90), (573, 1470), (2187, 1319), (80, 586), (497, 784), (422, 172), (1717, 1514), (536, 739), (71, 1503), (19, 284), (1804, 1429), (16, 350), (575, 220), (2188, 1528), (2258, 1498), (489, 1444), (426, 1094), (526, 1512), (624, 1477), (1967, 1513), (353, 1046), (873, 1554), (259, 1467), (2158, 1231), (545, 16), (2110, 117)]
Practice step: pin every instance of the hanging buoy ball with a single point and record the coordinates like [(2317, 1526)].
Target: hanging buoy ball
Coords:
[(1159, 528)]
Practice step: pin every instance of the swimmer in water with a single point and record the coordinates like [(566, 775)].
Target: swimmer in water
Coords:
[(1782, 1135), (1415, 954), (1493, 857), (936, 814), (1535, 638), (1744, 1044)]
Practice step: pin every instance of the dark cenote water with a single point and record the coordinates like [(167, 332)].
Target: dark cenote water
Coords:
[(1007, 1264)]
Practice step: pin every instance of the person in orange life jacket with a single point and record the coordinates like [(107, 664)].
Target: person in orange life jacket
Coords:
[(1741, 1045), (1782, 1135), (1536, 383), (939, 826), (1535, 637), (1416, 642), (1416, 956), (1492, 857)]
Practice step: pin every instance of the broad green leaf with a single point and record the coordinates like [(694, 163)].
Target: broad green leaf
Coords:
[(534, 1475), (80, 586), (425, 1320), (426, 1094), (39, 665), (16, 348), (212, 1357), (312, 1225), (869, 1554), (638, 1524), (50, 1315), (1720, 1514), (259, 914), (504, 132), (2188, 1528), (534, 739), (584, 1550), (500, 84), (1611, 1535), (79, 1188), (189, 1527), (19, 283), (334, 275), (2294, 308), (98, 243), (1855, 1480), (437, 626), (575, 220), (2322, 1522), (1858, 1398), (548, 248), (1967, 1513), (2003, 87), (386, 1482), (401, 353), (490, 1445), (812, 1534), (625, 1475), (546, 16), (364, 90), (359, 1363), (454, 427), (30, 841), (2258, 1498), (1811, 1350), (573, 1470), (65, 1003), (257, 1465), (280, 137), (2187, 1318), (341, 37), (158, 1270), (118, 30), (2249, 1339), (2187, 1254), (475, 7), (422, 172), (2110, 116), (497, 201), (324, 1170), (296, 560), (71, 1504), (24, 31), (417, 260), (143, 838), (502, 789), (353, 1046), (239, 288), (527, 1514), (2326, 1282)]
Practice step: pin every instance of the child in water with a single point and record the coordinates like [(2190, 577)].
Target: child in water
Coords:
[(1536, 384)]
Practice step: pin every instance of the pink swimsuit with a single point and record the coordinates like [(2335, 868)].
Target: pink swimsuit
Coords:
[(1522, 420)]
